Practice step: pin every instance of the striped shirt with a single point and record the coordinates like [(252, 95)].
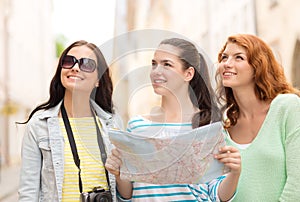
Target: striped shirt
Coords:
[(92, 170), (169, 192)]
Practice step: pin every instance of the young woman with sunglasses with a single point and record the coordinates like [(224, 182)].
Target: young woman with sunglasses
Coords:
[(262, 119), (82, 89), (180, 76)]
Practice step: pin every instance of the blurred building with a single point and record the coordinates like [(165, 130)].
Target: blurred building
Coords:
[(27, 55), (27, 50), (278, 24), (207, 24)]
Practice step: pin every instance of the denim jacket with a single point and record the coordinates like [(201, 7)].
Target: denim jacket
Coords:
[(42, 169)]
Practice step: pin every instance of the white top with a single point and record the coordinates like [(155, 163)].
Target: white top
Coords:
[(240, 146)]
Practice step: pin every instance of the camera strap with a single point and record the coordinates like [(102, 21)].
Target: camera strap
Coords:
[(74, 148)]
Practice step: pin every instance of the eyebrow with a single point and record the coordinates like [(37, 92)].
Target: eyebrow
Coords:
[(238, 53), (163, 61)]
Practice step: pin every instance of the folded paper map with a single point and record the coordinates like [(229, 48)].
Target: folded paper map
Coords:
[(184, 158)]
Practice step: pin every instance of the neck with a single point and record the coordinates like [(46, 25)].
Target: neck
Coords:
[(77, 106), (177, 109), (249, 105)]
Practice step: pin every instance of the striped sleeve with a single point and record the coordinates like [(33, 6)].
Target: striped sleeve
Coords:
[(207, 191)]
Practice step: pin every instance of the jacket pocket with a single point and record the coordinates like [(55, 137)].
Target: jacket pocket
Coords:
[(46, 154), (49, 189)]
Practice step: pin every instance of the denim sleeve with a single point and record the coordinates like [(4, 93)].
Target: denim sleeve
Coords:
[(29, 187)]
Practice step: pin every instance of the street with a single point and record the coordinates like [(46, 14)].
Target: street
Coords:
[(9, 183), (11, 198)]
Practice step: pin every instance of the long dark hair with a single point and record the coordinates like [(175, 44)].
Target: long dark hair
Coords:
[(102, 95), (201, 92)]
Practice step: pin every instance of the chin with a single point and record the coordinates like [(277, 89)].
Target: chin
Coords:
[(159, 91), (227, 84)]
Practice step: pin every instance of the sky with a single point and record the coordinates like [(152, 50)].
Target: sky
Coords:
[(90, 20)]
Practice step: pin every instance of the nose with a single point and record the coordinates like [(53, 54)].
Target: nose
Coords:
[(158, 69), (228, 63), (76, 67)]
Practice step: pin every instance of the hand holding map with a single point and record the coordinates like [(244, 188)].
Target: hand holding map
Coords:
[(184, 158)]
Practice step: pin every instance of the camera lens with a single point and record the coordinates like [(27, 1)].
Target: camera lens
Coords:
[(102, 198)]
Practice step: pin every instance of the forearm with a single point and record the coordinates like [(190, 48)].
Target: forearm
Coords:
[(124, 188), (231, 158), (228, 186), (113, 164)]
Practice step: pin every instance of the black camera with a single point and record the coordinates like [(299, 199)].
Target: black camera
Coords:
[(98, 194)]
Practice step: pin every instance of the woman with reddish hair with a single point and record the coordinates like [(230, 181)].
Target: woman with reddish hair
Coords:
[(261, 114)]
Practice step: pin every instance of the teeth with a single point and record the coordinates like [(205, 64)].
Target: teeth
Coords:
[(74, 77), (159, 81), (228, 74)]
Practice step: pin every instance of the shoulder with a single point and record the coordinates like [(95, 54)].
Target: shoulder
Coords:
[(286, 99), (39, 119), (100, 112), (117, 121), (136, 121), (35, 120), (42, 115), (39, 124), (111, 120), (286, 110)]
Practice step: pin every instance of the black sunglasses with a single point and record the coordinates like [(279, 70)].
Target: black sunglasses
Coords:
[(85, 64)]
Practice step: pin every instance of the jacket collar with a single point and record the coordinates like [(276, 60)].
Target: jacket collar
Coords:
[(54, 111)]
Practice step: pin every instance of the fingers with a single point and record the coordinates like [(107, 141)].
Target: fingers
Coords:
[(114, 162), (231, 158), (228, 149), (115, 152)]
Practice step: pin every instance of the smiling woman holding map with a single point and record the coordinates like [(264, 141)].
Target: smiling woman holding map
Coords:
[(180, 75)]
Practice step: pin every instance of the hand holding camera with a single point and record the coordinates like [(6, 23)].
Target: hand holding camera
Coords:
[(98, 194)]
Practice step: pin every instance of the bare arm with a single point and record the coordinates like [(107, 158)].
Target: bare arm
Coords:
[(113, 164), (231, 158)]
